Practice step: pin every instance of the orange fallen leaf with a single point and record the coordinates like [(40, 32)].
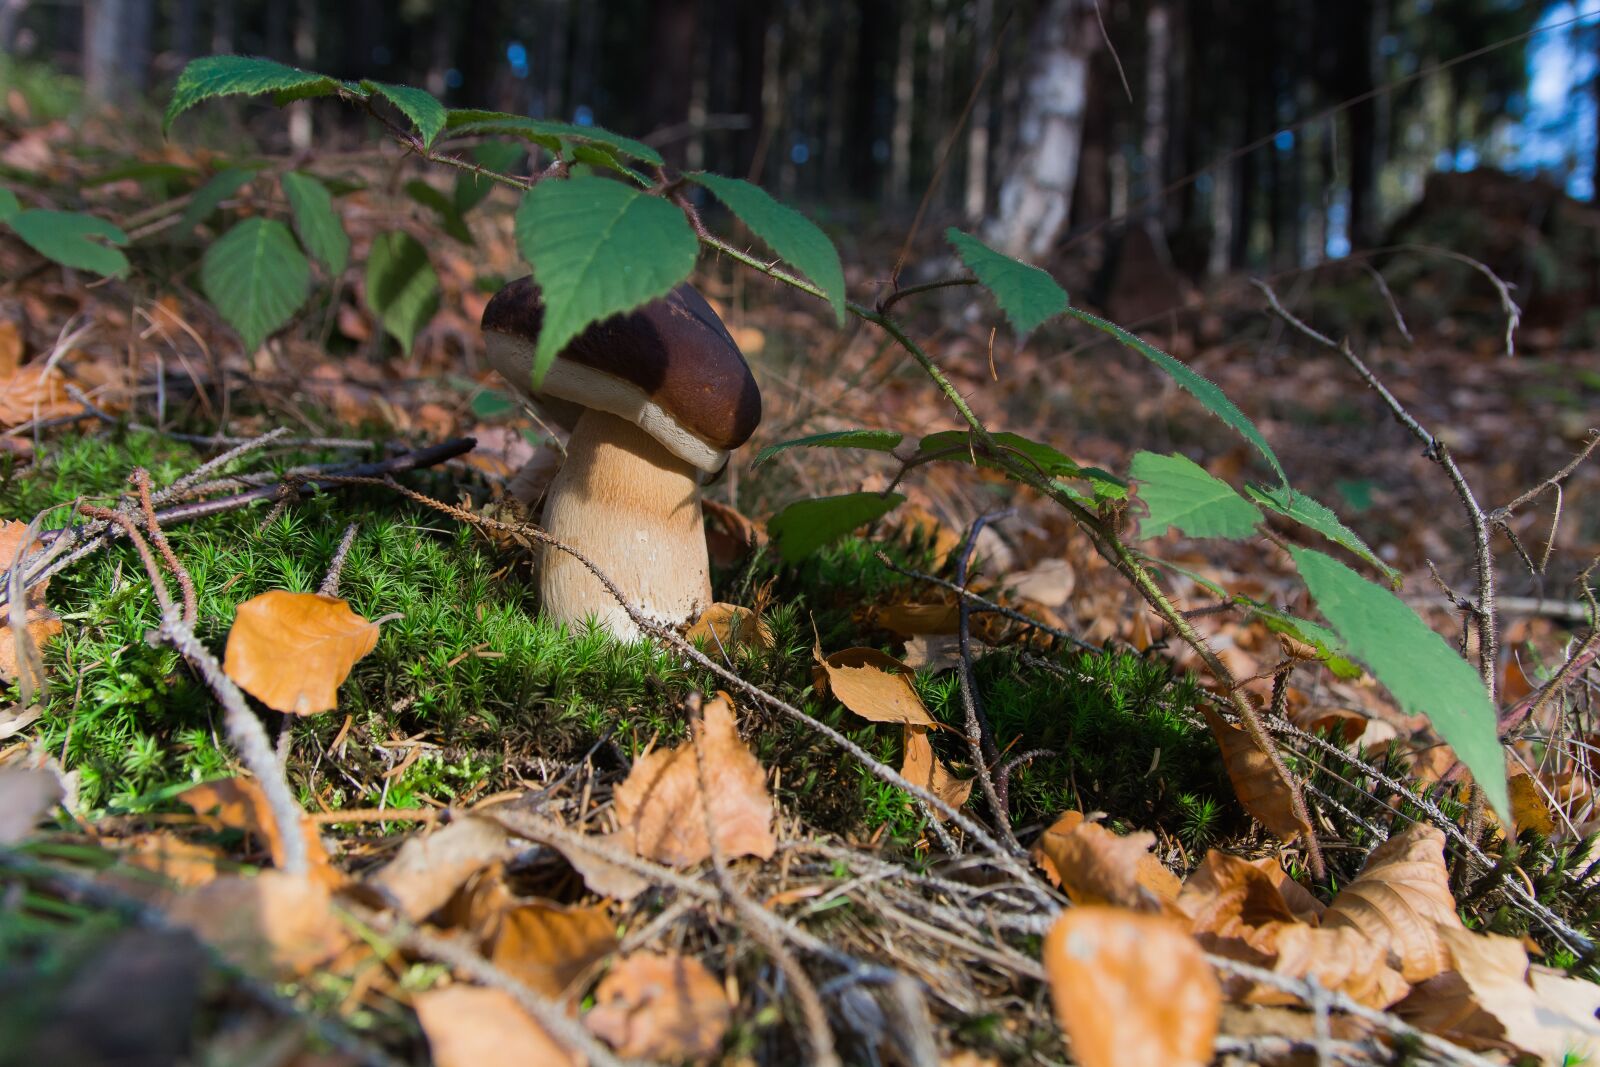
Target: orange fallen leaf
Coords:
[(1131, 990), (10, 348), (1050, 583), (1529, 809), (662, 807), (41, 623), (173, 859), (601, 876), (1257, 783), (1400, 899), (1095, 866), (272, 923), (239, 804), (471, 1027), (429, 868), (34, 391), (548, 947), (292, 650), (922, 767), (726, 627), (730, 535), (654, 1007), (874, 685), (909, 617)]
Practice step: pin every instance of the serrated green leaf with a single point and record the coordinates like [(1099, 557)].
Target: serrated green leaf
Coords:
[(1196, 385), (807, 525), (213, 76), (256, 276), (1025, 293), (402, 288), (1330, 649), (317, 222), (1424, 674), (1177, 491), (210, 196), (547, 132), (9, 205), (1319, 517), (449, 218), (959, 446), (598, 248), (788, 233), (418, 105), (66, 238), (498, 156), (875, 440)]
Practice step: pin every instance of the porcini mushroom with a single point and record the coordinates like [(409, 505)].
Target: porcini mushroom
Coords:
[(655, 399)]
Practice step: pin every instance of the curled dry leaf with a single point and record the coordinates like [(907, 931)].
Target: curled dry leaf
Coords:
[(1259, 786), (661, 806), (601, 876), (654, 1007), (1131, 990), (1400, 899), (291, 651), (471, 1027), (41, 623), (26, 794), (1529, 809), (730, 536), (908, 616), (922, 767), (874, 685), (938, 652), (273, 923), (34, 391), (548, 947), (726, 627), (1095, 866), (239, 804), (429, 868)]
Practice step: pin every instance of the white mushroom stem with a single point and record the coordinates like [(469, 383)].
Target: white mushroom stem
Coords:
[(633, 508)]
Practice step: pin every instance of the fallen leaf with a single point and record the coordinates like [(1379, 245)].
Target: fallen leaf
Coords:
[(471, 1027), (874, 685), (726, 627), (938, 652), (922, 767), (272, 923), (10, 348), (654, 1007), (1227, 896), (182, 863), (292, 650), (1257, 783), (1306, 908), (1400, 900), (16, 718), (1340, 958), (1050, 583), (429, 868), (25, 796), (909, 617), (1095, 866), (35, 391), (1131, 990), (548, 947), (603, 877), (239, 804), (730, 536), (1529, 809), (661, 806), (41, 623)]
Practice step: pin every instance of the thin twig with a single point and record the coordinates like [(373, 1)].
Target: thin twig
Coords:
[(330, 583), (981, 745)]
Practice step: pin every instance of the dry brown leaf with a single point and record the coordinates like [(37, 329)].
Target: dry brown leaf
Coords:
[(34, 391), (548, 947), (292, 650), (938, 652), (874, 685), (730, 536), (25, 796), (42, 623), (922, 767), (603, 877), (1050, 583), (1095, 866), (1306, 908), (726, 627), (182, 863), (1227, 896), (1529, 809), (1257, 783), (654, 1007), (917, 523), (1400, 900), (661, 806), (272, 923), (1340, 958), (239, 804), (10, 348), (429, 868), (471, 1027), (909, 617), (1131, 990)]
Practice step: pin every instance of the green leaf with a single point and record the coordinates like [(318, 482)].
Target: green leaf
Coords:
[(402, 288), (66, 238), (317, 223), (1178, 492), (490, 404), (213, 76), (547, 132), (9, 204), (210, 196), (256, 277), (959, 446), (443, 206), (142, 171), (789, 233), (807, 525), (1201, 388), (1319, 517), (1026, 294), (598, 248), (498, 156), (418, 105), (876, 440), (1330, 649), (1423, 673)]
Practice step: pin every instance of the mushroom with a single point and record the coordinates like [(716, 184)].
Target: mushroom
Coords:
[(655, 399)]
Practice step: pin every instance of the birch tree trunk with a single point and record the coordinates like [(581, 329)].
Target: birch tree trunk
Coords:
[(1037, 191), (116, 48)]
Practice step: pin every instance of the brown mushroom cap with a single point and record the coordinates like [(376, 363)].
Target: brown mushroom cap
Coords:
[(669, 367)]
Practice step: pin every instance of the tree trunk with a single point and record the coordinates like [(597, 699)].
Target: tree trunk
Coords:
[(116, 48), (1359, 58), (1037, 192), (670, 84), (905, 67), (976, 201)]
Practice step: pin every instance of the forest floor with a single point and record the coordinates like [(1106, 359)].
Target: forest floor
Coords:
[(512, 833)]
